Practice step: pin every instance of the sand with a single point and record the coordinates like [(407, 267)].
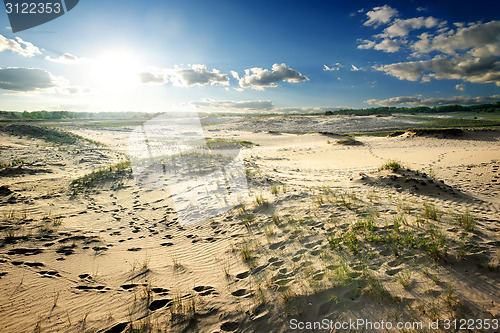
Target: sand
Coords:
[(322, 234)]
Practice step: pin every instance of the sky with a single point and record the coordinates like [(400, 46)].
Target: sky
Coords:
[(253, 56)]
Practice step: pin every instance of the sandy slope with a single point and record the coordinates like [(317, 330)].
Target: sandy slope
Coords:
[(113, 257)]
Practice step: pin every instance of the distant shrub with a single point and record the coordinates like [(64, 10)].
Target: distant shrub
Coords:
[(349, 141), (391, 165)]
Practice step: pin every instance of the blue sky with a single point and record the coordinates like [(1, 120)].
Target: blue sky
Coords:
[(266, 56)]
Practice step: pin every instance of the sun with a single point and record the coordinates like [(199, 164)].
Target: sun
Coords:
[(116, 71)]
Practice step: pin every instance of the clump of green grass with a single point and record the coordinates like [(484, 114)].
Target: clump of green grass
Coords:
[(436, 246), (260, 200), (404, 278), (276, 219), (467, 220), (12, 163), (349, 141), (111, 172), (391, 165), (431, 212)]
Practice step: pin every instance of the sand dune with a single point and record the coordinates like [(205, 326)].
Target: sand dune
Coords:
[(323, 233)]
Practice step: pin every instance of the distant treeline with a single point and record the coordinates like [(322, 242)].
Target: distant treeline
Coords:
[(63, 115), (418, 109)]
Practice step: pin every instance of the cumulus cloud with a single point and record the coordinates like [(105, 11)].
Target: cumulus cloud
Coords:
[(401, 28), (66, 58), (147, 77), (476, 70), (380, 15), (335, 67), (257, 105), (481, 39), (19, 46), (258, 78), (26, 79), (21, 79), (354, 68), (193, 75), (460, 87), (419, 101), (197, 75), (467, 52)]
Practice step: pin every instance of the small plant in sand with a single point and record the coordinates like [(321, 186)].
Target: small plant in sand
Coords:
[(391, 165), (247, 249), (431, 276), (12, 163), (269, 231), (467, 220), (348, 141), (275, 189), (404, 207), (436, 246), (176, 262), (404, 278), (276, 219), (431, 212), (260, 200), (375, 286)]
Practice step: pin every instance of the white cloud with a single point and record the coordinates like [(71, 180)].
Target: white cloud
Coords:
[(193, 75), (467, 68), (335, 67), (66, 58), (354, 68), (388, 45), (24, 80), (197, 75), (147, 77), (460, 87), (380, 15), (422, 9), (258, 78), (468, 52), (19, 46), (257, 105), (401, 28), (419, 101), (481, 39)]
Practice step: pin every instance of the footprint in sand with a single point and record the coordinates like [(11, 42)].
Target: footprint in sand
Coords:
[(205, 290), (49, 273), (118, 328), (242, 275), (229, 326), (159, 303), (160, 291), (244, 293), (99, 288), (25, 251), (129, 286), (392, 272)]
